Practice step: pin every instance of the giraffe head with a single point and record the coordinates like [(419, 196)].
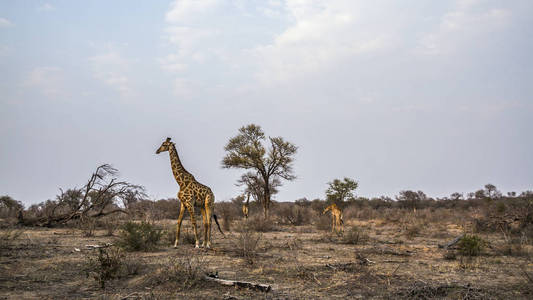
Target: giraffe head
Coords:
[(165, 146), (331, 207)]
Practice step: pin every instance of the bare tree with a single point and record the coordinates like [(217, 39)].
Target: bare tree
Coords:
[(97, 198)]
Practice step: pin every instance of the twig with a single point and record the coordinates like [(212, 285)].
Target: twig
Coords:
[(127, 296), (526, 274)]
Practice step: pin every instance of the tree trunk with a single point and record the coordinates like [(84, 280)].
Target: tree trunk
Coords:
[(266, 202)]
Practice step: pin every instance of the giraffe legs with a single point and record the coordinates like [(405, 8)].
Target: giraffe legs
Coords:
[(204, 223), (190, 208), (178, 226), (207, 226)]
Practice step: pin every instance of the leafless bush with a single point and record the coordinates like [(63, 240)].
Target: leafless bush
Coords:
[(110, 226), (186, 272), (246, 245), (295, 214), (228, 211), (354, 236), (323, 222), (105, 264), (423, 290), (260, 224), (87, 226)]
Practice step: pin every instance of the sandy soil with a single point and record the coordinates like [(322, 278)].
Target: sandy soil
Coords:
[(299, 262)]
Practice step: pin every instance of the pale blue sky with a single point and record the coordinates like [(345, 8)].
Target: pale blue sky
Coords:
[(425, 95)]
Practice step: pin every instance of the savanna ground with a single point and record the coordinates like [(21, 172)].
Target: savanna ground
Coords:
[(386, 254)]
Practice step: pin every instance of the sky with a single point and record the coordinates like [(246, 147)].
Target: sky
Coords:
[(400, 95)]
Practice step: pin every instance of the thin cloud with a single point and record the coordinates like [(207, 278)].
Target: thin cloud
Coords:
[(49, 81), (111, 68), (46, 7), (185, 10), (465, 21), (5, 23)]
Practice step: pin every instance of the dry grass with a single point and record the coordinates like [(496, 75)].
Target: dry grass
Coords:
[(300, 262)]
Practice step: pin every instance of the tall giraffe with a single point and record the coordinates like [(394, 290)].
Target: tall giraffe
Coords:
[(336, 215), (245, 206), (191, 194)]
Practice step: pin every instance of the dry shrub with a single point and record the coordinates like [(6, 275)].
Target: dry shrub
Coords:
[(110, 226), (423, 290), (354, 236), (413, 230), (363, 213), (323, 222), (186, 272), (392, 215), (305, 273), (168, 236), (228, 212), (87, 226), (515, 246), (351, 212), (105, 264), (412, 225), (246, 245), (260, 224), (294, 214)]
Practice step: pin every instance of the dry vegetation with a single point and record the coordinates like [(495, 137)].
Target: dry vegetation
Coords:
[(386, 251)]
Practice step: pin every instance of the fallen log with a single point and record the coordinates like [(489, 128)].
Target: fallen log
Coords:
[(453, 242), (242, 284)]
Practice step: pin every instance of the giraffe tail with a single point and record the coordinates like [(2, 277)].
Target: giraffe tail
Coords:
[(218, 225)]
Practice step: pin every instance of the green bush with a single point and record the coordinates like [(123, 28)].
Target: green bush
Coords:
[(471, 245), (139, 236)]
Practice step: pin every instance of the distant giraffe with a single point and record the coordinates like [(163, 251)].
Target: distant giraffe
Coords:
[(192, 194), (336, 215), (245, 206)]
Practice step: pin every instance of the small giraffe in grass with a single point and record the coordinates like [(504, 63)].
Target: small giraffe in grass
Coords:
[(192, 194), (336, 215), (245, 206)]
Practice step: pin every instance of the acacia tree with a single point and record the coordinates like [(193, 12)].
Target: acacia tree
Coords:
[(268, 166), (341, 190), (254, 185), (411, 199)]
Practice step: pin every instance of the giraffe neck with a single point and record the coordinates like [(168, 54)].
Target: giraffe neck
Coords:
[(180, 174)]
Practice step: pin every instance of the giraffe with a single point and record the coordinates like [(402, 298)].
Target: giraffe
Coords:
[(245, 206), (191, 194), (336, 215)]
